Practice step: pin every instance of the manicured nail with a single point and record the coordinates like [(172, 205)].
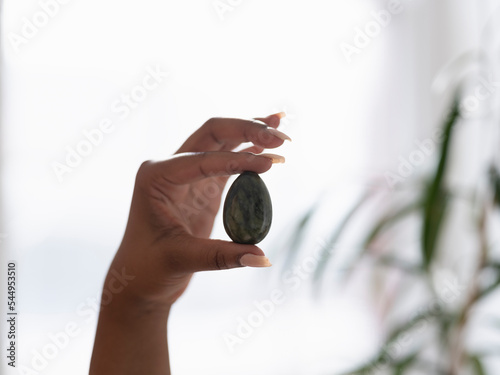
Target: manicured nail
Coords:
[(281, 115), (251, 260), (276, 159), (279, 134)]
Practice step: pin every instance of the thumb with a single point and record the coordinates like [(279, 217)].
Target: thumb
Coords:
[(197, 254)]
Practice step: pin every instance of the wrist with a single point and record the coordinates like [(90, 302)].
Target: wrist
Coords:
[(121, 295), (131, 337)]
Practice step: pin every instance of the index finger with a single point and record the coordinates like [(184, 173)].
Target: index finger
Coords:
[(191, 167), (224, 134)]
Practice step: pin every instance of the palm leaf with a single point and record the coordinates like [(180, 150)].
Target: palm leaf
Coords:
[(403, 365), (477, 365), (435, 200), (382, 356), (490, 288), (389, 220), (382, 225), (394, 262), (334, 238), (298, 234), (495, 182)]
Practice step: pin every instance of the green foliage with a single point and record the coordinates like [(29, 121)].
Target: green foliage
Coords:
[(477, 365), (334, 238), (495, 182), (294, 243), (432, 207), (389, 220), (436, 197)]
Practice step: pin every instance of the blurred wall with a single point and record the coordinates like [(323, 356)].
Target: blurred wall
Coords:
[(351, 115)]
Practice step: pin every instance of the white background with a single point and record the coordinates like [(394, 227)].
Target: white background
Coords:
[(349, 123)]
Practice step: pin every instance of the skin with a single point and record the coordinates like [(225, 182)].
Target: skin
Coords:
[(167, 239)]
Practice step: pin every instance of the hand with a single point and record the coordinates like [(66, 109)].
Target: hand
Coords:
[(166, 240), (174, 206)]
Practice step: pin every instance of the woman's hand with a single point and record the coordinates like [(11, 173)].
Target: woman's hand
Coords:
[(175, 203), (166, 240)]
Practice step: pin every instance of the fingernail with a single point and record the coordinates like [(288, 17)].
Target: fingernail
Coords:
[(276, 159), (251, 260), (281, 115), (279, 134)]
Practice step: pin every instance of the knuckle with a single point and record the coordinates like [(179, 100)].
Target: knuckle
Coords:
[(233, 167), (145, 165), (260, 134), (144, 172), (220, 261), (211, 121)]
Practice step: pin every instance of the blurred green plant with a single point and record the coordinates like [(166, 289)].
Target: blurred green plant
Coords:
[(447, 326)]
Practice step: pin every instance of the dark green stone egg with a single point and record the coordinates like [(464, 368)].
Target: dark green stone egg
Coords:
[(248, 211)]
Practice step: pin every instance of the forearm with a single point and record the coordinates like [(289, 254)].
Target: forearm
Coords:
[(131, 339)]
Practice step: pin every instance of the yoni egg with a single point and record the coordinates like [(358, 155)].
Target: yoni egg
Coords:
[(248, 210)]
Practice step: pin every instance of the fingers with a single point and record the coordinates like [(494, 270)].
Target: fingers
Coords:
[(224, 134), (196, 254), (272, 121), (191, 167)]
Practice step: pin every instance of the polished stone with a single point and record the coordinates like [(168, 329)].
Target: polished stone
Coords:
[(248, 210)]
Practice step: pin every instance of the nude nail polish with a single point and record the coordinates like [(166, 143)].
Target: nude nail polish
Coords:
[(251, 260), (279, 134), (276, 159)]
